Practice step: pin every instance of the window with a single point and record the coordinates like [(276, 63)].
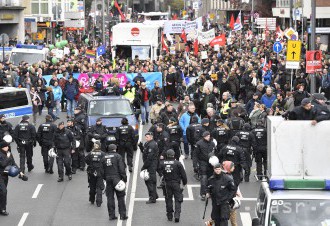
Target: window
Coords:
[(35, 8), (110, 108), (13, 99), (39, 6), (44, 8)]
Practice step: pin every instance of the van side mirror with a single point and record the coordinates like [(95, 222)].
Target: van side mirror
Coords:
[(256, 222)]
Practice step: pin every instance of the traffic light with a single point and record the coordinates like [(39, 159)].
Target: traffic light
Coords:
[(58, 31)]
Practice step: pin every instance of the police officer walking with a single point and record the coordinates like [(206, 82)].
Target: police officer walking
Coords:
[(175, 133), (79, 121), (64, 143), (5, 127), (174, 174), (126, 139), (150, 162), (115, 176), (95, 173), (98, 132), (221, 134), (45, 137), (25, 136), (77, 153), (245, 142), (191, 133), (221, 188), (203, 149), (233, 152), (260, 148), (8, 167)]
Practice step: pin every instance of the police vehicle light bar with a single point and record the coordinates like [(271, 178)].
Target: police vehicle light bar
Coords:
[(22, 46), (287, 184)]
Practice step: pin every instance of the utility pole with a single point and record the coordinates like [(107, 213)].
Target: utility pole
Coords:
[(103, 23), (252, 15), (312, 42), (291, 6)]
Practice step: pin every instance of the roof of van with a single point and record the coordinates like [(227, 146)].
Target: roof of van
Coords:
[(90, 96), (139, 25), (8, 89), (301, 194)]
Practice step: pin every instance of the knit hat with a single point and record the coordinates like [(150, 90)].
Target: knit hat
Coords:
[(305, 101), (235, 139), (228, 165), (3, 144), (205, 121), (206, 133)]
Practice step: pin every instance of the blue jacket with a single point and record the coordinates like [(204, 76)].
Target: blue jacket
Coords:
[(57, 91), (70, 90), (250, 105), (185, 121), (268, 101), (268, 77)]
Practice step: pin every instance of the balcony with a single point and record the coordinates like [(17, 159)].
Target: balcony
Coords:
[(11, 3)]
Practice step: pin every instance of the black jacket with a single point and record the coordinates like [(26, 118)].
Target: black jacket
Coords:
[(45, 134), (25, 131), (5, 127), (94, 162), (64, 139), (125, 134), (323, 112), (114, 167), (173, 171), (260, 139), (221, 187), (300, 113), (5, 161), (80, 121), (150, 156)]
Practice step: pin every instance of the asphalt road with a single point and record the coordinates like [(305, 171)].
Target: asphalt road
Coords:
[(43, 201)]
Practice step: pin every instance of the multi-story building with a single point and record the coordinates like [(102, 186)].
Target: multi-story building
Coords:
[(12, 19)]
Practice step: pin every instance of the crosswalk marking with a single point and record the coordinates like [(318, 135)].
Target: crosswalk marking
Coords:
[(246, 218), (23, 219)]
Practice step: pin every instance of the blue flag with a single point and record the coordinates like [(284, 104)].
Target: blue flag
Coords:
[(100, 50)]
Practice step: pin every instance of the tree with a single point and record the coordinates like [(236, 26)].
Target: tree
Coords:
[(176, 5)]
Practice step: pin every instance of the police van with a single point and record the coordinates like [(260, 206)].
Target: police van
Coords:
[(15, 102), (28, 53), (111, 109), (297, 188)]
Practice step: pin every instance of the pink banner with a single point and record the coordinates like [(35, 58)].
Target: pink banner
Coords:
[(86, 81)]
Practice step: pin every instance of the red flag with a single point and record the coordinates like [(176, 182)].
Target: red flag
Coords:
[(183, 36), (175, 17), (232, 22), (196, 47), (164, 45), (219, 40), (122, 16)]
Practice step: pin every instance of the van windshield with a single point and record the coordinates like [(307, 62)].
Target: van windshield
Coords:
[(31, 58), (110, 108), (299, 212)]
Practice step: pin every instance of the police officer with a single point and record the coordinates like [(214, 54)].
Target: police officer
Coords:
[(25, 136), (245, 142), (221, 134), (260, 148), (150, 162), (77, 154), (64, 143), (95, 173), (162, 138), (114, 171), (99, 132), (221, 188), (203, 149), (174, 174), (45, 137), (175, 132), (79, 121), (125, 136), (5, 127), (6, 160), (233, 152), (192, 129)]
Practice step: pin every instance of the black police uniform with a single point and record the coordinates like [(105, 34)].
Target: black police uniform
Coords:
[(64, 143), (235, 124), (194, 134), (78, 155), (233, 152), (5, 128), (25, 136), (203, 150), (45, 137), (260, 149), (222, 189), (222, 136), (4, 162), (245, 142), (79, 121), (95, 175), (125, 136), (99, 132), (114, 171), (163, 140), (175, 132), (173, 173), (150, 162)]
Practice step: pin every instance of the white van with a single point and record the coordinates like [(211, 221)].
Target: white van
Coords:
[(28, 53)]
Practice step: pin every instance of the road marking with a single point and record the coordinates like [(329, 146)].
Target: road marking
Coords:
[(36, 192), (134, 181), (246, 218), (120, 222), (23, 219), (181, 160)]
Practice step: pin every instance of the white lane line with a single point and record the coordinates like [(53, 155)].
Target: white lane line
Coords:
[(23, 219), (36, 192), (120, 222), (181, 160), (246, 218), (134, 182)]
